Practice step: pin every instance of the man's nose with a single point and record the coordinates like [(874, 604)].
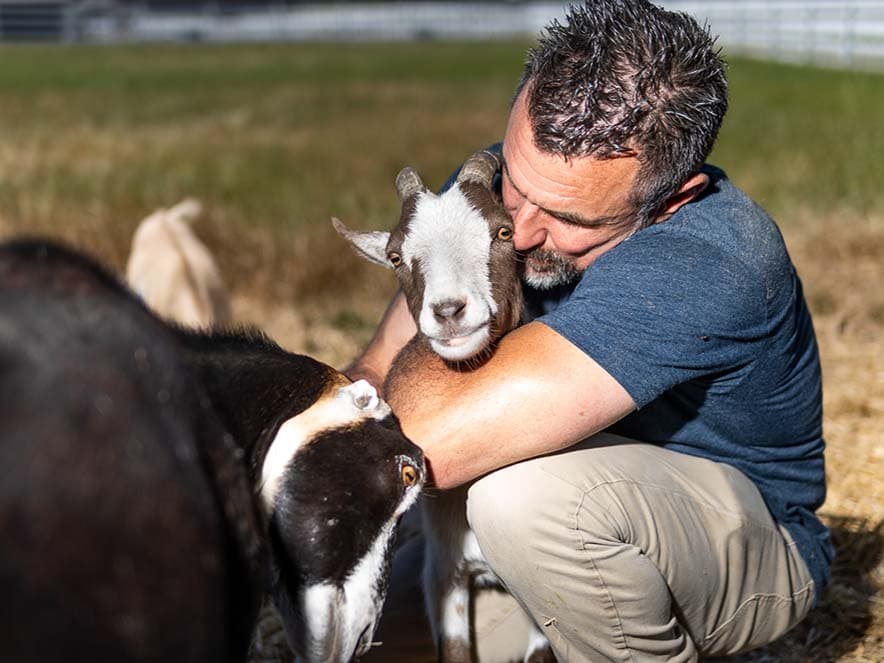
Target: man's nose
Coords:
[(530, 231)]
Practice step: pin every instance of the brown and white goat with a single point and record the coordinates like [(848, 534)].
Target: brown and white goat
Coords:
[(456, 264)]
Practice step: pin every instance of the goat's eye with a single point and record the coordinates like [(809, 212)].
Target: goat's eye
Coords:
[(505, 233), (409, 476), (395, 259)]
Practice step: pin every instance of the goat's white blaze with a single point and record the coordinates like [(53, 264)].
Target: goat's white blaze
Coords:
[(449, 241), (338, 616), (339, 407)]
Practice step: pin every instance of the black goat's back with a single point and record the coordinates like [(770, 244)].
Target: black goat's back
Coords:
[(116, 545)]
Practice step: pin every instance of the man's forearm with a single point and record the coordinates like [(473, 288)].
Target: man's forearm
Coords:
[(537, 394), (418, 388)]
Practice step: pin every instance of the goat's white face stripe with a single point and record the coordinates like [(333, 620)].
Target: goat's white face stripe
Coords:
[(319, 604), (342, 406), (336, 617), (450, 241)]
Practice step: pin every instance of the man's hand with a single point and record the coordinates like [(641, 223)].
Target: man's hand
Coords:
[(537, 394)]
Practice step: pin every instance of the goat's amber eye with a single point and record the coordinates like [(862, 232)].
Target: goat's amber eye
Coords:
[(409, 476), (505, 233), (395, 259)]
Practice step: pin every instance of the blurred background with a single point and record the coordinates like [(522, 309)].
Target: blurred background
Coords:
[(279, 115)]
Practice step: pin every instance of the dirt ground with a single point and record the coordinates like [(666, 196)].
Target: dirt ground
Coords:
[(844, 284)]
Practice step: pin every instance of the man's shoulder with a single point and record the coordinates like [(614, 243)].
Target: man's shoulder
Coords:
[(724, 215), (724, 229)]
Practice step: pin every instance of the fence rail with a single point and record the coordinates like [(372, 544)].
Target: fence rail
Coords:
[(846, 32), (34, 20)]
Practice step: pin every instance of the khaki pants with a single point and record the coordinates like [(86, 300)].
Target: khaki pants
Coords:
[(620, 551)]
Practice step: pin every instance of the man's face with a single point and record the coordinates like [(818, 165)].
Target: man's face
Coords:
[(562, 210)]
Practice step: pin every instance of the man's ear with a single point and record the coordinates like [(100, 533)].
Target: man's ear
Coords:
[(371, 245), (688, 192)]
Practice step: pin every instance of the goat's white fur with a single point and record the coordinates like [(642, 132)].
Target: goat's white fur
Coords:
[(452, 270), (449, 241), (354, 602), (343, 406), (174, 272)]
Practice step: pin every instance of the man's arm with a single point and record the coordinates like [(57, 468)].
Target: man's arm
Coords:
[(395, 330), (537, 394)]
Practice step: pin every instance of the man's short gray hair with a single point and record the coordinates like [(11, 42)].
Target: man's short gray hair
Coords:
[(625, 77)]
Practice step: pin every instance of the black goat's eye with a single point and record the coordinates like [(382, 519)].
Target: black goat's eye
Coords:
[(505, 233), (395, 259), (409, 476)]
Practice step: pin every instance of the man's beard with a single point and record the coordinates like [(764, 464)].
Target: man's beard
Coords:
[(545, 270)]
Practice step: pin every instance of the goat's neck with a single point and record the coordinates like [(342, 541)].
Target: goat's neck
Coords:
[(254, 386), (418, 354)]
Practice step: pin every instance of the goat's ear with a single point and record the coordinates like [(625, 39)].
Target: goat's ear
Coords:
[(371, 245)]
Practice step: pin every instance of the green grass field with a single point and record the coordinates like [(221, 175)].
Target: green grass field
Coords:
[(285, 135), (275, 139), (271, 135)]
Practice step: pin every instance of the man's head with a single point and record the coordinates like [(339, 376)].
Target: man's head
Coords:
[(617, 109)]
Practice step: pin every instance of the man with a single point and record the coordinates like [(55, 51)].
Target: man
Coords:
[(646, 452)]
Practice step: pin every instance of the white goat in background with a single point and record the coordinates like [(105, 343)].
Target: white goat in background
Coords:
[(174, 272)]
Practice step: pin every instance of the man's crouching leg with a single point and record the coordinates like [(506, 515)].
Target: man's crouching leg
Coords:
[(627, 551)]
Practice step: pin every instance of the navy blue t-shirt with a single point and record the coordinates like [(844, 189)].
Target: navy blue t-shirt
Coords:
[(702, 320)]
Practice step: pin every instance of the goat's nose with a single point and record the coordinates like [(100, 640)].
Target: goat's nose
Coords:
[(449, 309)]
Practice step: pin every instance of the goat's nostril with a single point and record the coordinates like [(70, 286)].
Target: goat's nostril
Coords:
[(449, 309)]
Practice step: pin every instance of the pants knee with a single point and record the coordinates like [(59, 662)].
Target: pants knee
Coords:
[(535, 501), (493, 504), (517, 510)]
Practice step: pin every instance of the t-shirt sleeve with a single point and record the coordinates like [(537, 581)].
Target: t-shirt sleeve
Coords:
[(658, 311)]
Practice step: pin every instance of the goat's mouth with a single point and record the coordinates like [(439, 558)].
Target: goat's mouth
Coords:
[(363, 643), (464, 345)]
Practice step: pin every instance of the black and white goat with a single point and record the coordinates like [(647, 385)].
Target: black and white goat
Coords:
[(155, 481), (457, 266)]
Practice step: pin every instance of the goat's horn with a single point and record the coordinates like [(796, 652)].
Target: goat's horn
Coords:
[(408, 183), (479, 168)]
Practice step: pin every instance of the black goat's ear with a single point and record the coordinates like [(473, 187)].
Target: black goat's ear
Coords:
[(371, 245)]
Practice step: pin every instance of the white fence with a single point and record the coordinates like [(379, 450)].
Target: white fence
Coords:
[(381, 21), (847, 32), (43, 20)]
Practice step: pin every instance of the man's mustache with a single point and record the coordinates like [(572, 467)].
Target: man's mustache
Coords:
[(544, 260)]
